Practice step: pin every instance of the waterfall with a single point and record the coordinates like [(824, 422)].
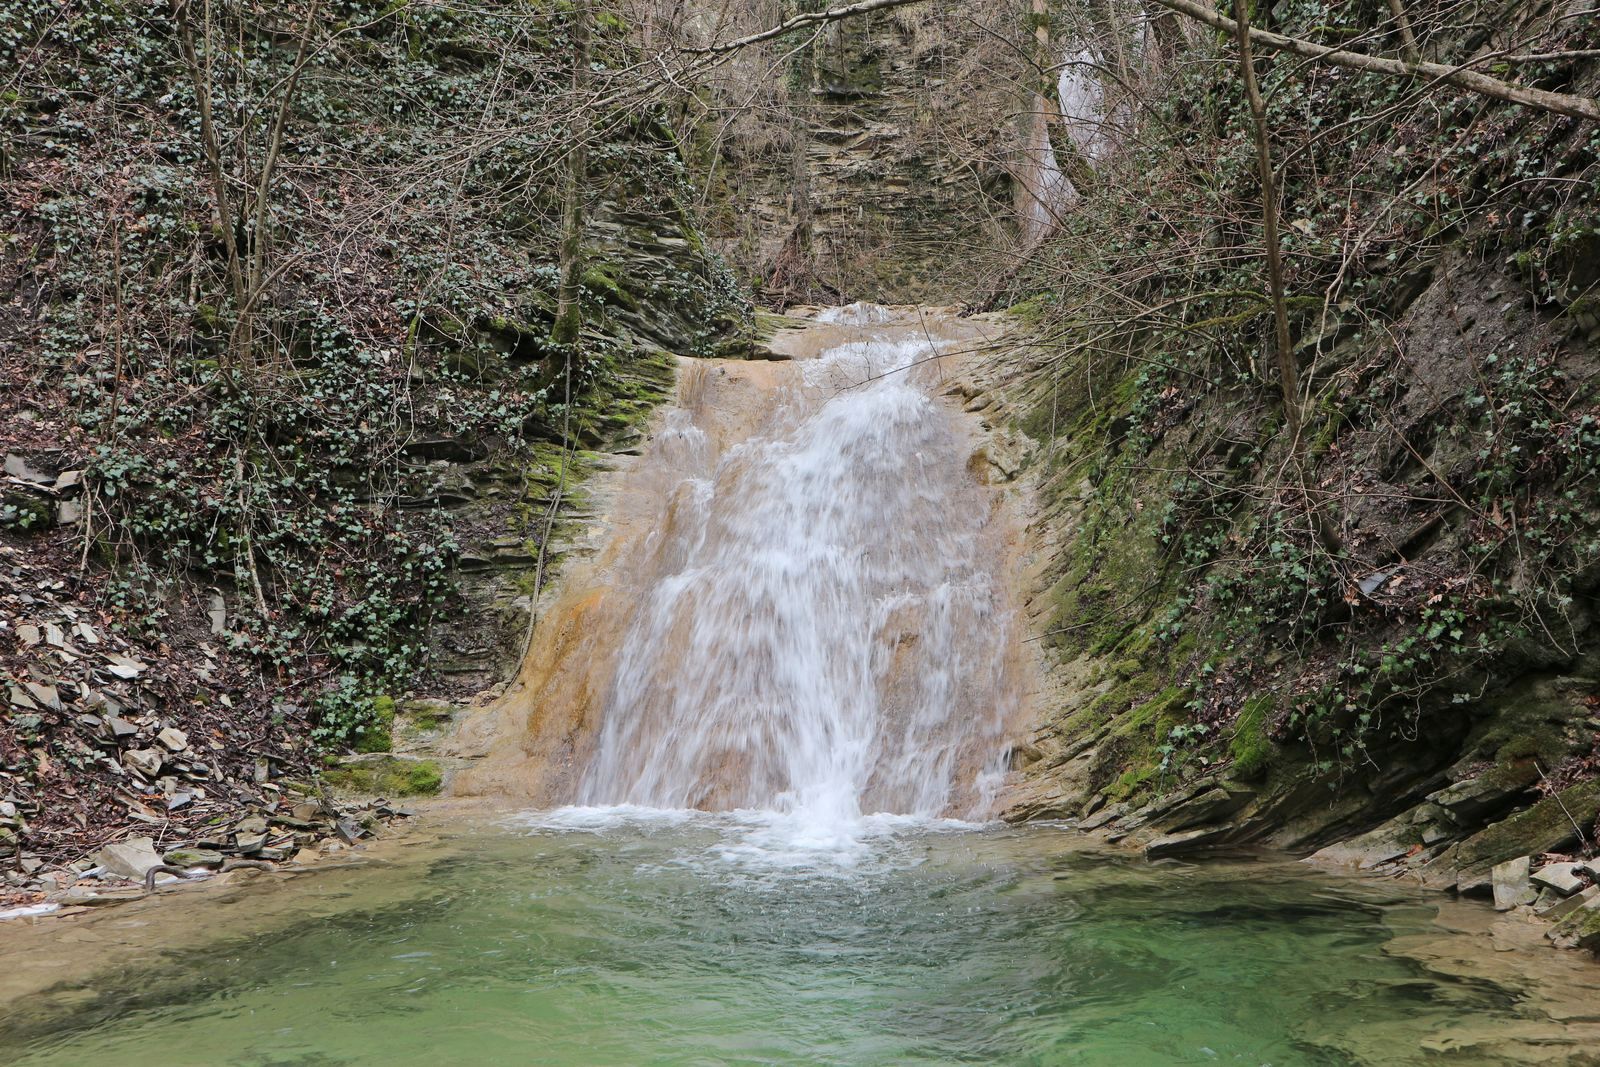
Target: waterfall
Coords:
[(805, 611), (826, 635)]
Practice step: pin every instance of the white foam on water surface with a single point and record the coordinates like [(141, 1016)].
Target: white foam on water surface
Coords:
[(757, 841)]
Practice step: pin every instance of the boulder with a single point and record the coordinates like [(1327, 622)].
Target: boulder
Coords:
[(1511, 885), (130, 859)]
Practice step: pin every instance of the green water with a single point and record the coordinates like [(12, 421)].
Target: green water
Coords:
[(656, 940)]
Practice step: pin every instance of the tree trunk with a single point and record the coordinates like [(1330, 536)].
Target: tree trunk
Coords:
[(1288, 373), (569, 316)]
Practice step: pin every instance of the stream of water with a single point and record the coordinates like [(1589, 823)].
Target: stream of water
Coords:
[(777, 711)]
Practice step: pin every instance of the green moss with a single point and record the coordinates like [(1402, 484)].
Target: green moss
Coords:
[(1128, 762), (602, 279), (1129, 783), (1128, 668), (1034, 310), (1529, 723), (378, 735), (1163, 711), (20, 511), (768, 323), (1117, 700), (1584, 928), (387, 777), (425, 716), (1547, 743), (1251, 749)]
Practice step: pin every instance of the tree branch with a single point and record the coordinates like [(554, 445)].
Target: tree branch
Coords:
[(809, 18), (1461, 77)]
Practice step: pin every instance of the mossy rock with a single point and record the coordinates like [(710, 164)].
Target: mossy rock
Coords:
[(1544, 827), (20, 511), (1034, 310), (387, 776), (422, 716), (604, 280), (1583, 928), (1533, 719), (1251, 749), (1129, 759), (378, 734)]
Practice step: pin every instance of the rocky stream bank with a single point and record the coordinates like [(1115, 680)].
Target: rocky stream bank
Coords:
[(1501, 807)]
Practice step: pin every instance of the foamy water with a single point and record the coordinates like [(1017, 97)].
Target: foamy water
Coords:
[(759, 842)]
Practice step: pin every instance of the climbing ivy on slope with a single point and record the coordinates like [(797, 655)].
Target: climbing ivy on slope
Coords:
[(408, 239)]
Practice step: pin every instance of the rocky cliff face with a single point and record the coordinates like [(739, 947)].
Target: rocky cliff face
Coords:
[(517, 512), (882, 168), (1380, 647)]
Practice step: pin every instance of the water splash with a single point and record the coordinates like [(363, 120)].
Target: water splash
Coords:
[(822, 635)]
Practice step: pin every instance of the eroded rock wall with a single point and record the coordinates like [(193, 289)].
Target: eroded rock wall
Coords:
[(882, 170)]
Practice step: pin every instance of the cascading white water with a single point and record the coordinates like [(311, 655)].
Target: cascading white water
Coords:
[(822, 634)]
